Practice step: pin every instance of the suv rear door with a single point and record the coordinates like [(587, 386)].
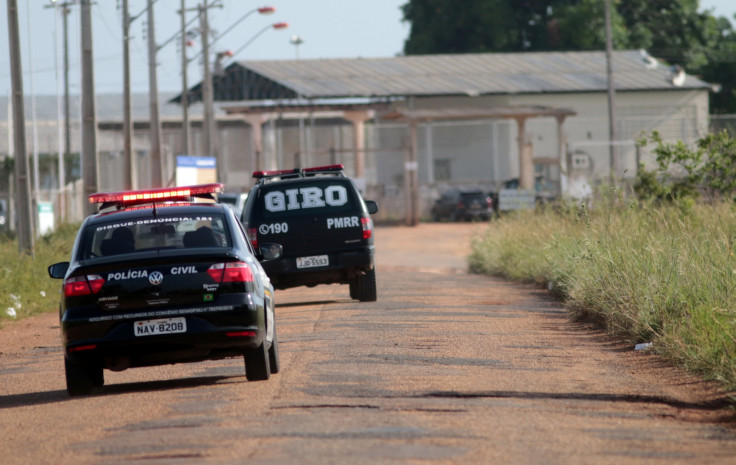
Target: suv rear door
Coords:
[(309, 216)]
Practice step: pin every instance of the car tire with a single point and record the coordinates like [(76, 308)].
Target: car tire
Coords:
[(273, 355), (82, 379), (365, 287), (257, 366)]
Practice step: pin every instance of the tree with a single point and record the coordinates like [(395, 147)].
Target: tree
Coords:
[(472, 26), (670, 30)]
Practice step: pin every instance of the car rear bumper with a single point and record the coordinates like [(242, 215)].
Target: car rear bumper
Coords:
[(343, 267), (211, 332)]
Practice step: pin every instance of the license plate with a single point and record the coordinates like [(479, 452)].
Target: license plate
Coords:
[(160, 326), (309, 262)]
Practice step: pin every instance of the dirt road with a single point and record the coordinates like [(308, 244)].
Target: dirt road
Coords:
[(445, 368)]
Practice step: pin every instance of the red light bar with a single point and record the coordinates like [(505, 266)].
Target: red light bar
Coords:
[(315, 169), (165, 193)]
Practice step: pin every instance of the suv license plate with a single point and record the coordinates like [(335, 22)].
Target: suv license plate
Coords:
[(309, 262), (161, 326)]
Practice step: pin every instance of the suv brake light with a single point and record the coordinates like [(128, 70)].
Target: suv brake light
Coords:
[(231, 272), (367, 225), (83, 285), (252, 234)]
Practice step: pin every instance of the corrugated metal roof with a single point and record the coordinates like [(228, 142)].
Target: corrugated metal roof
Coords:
[(469, 74)]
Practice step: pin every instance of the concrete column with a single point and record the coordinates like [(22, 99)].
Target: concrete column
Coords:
[(526, 162), (358, 118), (562, 154), (256, 121), (411, 185)]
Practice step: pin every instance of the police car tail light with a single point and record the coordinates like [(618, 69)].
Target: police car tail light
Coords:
[(150, 195), (83, 285), (231, 272), (367, 225), (252, 234)]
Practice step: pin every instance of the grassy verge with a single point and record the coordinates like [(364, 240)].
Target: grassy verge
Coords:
[(25, 286), (663, 275)]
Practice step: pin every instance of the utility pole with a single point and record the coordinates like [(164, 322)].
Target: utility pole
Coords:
[(90, 159), (23, 187), (129, 162), (207, 98), (184, 83), (155, 123), (67, 137), (611, 96)]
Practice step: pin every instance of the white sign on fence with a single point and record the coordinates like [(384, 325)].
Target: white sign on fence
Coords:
[(515, 199)]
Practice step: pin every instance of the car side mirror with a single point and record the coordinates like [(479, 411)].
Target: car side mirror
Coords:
[(58, 270), (372, 206), (271, 251)]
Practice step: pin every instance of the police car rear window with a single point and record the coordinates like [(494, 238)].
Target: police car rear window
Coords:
[(295, 199), (148, 233)]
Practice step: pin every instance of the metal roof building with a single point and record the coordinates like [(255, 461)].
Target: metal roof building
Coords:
[(444, 75), (564, 87), (430, 121)]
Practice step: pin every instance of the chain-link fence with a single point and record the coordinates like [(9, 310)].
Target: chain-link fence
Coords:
[(481, 154)]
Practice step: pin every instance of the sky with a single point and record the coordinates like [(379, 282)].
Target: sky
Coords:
[(328, 29)]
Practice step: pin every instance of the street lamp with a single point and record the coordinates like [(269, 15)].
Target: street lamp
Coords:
[(264, 10), (219, 56), (207, 91), (281, 25), (297, 40)]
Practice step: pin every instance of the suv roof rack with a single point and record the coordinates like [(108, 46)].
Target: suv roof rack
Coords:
[(263, 176)]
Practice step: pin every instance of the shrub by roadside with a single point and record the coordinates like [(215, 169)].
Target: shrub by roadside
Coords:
[(664, 275), (25, 286)]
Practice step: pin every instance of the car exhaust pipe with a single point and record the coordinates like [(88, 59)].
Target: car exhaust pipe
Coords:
[(117, 363)]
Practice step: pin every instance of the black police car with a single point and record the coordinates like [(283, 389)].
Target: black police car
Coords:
[(322, 223), (157, 278)]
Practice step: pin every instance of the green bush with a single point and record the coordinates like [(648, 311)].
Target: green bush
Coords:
[(684, 172), (664, 275), (25, 286)]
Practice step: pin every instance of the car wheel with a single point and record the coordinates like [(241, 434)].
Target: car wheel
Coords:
[(82, 379), (273, 355), (365, 287), (257, 367)]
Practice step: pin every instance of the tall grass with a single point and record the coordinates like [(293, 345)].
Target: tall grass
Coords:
[(25, 286), (662, 275)]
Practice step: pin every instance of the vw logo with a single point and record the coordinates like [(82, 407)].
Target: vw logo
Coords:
[(156, 278)]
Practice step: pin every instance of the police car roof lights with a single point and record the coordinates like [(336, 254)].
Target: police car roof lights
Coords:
[(299, 172), (164, 194)]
